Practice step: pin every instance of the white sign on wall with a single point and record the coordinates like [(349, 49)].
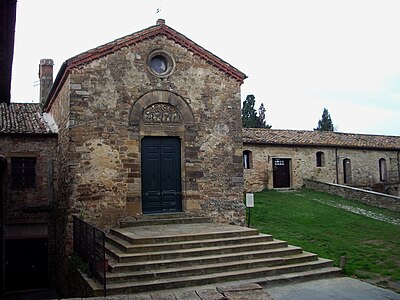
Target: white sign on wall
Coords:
[(250, 200)]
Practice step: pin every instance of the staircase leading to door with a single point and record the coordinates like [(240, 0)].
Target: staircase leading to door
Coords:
[(166, 256)]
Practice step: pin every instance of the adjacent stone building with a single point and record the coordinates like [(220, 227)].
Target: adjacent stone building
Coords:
[(283, 158), (28, 149)]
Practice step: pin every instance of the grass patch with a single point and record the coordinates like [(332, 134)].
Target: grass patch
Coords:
[(372, 247)]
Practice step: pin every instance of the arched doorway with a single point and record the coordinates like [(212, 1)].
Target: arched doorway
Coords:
[(163, 124)]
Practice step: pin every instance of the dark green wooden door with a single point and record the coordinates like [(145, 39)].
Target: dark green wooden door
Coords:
[(161, 175)]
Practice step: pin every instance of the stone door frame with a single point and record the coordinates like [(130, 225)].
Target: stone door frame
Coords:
[(154, 114)]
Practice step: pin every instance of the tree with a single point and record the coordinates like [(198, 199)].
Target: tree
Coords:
[(250, 119), (249, 114), (325, 124), (261, 118)]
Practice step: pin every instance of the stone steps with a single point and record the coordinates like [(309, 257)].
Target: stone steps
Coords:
[(199, 260), (127, 247), (173, 254), (159, 257), (197, 280), (192, 270), (162, 219), (126, 235)]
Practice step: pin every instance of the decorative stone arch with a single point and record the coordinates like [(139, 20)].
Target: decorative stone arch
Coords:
[(159, 115), (160, 96)]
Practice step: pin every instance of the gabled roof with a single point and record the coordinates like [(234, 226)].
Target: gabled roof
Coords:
[(23, 118), (159, 29), (319, 138)]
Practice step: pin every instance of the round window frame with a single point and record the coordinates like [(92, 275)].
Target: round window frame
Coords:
[(169, 59)]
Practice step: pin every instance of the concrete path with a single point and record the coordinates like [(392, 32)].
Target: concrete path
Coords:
[(343, 288)]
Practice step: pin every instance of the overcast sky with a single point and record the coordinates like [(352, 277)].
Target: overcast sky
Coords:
[(299, 56)]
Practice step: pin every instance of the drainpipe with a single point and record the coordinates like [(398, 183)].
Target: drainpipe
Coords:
[(337, 165)]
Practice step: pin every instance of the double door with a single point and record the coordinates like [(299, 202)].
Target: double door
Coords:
[(161, 175)]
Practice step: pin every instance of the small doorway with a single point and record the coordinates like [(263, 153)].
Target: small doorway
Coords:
[(281, 172), (26, 264), (161, 175)]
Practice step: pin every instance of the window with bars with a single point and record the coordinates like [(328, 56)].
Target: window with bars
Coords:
[(23, 172)]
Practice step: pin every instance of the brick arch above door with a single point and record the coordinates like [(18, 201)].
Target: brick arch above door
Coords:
[(160, 96)]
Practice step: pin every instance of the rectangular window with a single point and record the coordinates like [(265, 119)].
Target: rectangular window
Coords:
[(247, 159), (23, 172)]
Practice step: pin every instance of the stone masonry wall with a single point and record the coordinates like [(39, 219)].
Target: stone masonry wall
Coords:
[(367, 197), (364, 165), (60, 111), (43, 149), (28, 209), (100, 150)]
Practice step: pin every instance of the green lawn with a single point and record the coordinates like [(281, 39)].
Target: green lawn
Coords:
[(372, 247)]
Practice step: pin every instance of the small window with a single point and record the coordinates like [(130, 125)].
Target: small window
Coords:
[(382, 170), (247, 159), (320, 157), (23, 172), (161, 63), (347, 171)]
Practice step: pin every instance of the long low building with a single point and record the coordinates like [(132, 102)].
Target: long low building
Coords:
[(283, 158)]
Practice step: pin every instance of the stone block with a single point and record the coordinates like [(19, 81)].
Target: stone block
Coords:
[(192, 205), (133, 208), (210, 294), (75, 86), (248, 295), (186, 295), (163, 296)]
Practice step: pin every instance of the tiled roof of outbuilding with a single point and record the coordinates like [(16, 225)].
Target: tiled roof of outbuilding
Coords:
[(319, 138), (22, 118)]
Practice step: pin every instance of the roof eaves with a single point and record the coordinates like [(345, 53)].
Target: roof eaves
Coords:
[(315, 145)]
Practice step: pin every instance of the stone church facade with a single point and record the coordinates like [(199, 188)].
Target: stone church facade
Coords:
[(131, 109), (146, 124)]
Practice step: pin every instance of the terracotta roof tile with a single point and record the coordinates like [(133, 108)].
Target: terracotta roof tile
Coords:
[(22, 118), (319, 138)]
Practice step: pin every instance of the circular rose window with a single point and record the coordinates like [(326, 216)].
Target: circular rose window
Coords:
[(161, 63)]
